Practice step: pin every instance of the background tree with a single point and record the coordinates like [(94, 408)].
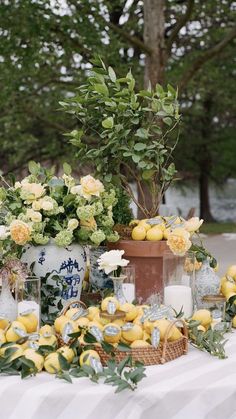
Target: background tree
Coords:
[(46, 48)]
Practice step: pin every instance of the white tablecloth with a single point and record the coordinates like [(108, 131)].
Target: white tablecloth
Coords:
[(195, 386)]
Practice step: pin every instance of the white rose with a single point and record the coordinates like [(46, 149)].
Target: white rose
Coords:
[(36, 205), (75, 190), (34, 216), (193, 224), (73, 224), (35, 189), (47, 205), (4, 233), (110, 261)]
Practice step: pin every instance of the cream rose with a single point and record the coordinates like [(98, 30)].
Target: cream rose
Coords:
[(193, 224), (90, 186), (4, 232), (35, 190), (178, 241), (75, 190), (20, 232), (34, 216), (73, 224), (46, 205), (36, 205)]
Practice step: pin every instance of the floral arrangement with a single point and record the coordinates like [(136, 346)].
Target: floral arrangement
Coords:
[(112, 262), (45, 207)]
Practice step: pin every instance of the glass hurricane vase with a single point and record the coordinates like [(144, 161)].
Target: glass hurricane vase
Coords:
[(8, 305), (118, 288)]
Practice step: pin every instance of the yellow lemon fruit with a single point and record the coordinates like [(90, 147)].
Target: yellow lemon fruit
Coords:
[(4, 323), (154, 234), (30, 321), (51, 363), (166, 233), (47, 341), (85, 357), (175, 334), (119, 322), (137, 320), (231, 271), (60, 323), (18, 352), (113, 338), (82, 322), (67, 352), (203, 316), (92, 311), (234, 321), (2, 337), (71, 312), (130, 310), (133, 223), (72, 323), (96, 324), (101, 320), (148, 326), (140, 344), (145, 224), (146, 336), (105, 302), (228, 287), (37, 359), (123, 340), (11, 336), (162, 325), (46, 329), (138, 233), (136, 333)]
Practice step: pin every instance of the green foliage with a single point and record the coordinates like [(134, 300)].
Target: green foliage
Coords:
[(129, 129), (122, 214), (211, 341)]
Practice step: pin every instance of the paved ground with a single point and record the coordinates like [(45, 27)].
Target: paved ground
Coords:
[(223, 247)]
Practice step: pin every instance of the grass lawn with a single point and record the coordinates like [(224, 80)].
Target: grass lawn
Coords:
[(218, 228)]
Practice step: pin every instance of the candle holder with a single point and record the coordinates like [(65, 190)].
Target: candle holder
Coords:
[(128, 284), (216, 305), (28, 296), (178, 280)]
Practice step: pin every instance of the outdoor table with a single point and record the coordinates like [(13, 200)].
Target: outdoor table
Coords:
[(195, 386)]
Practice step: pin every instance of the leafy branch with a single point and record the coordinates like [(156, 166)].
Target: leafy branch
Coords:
[(211, 341)]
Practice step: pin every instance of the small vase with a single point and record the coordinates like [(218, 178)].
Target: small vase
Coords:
[(206, 283), (118, 289), (8, 305)]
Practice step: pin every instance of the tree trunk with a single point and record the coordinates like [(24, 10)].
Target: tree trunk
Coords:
[(205, 211), (154, 38)]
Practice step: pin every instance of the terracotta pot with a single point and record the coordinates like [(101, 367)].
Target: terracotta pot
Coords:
[(147, 257)]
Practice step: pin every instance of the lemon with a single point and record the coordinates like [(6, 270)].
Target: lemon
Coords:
[(51, 363), (119, 322), (96, 324), (115, 338), (47, 341), (130, 310), (67, 352), (166, 233), (228, 287), (148, 326), (105, 302), (82, 322), (203, 316), (30, 321), (92, 311), (234, 321), (46, 329), (134, 223), (72, 323), (143, 223), (101, 320), (60, 323), (11, 336), (231, 271), (175, 334), (136, 333), (140, 344), (146, 336), (154, 234), (4, 323), (137, 320), (19, 352), (162, 325), (37, 359), (123, 340), (138, 233), (86, 356), (71, 312)]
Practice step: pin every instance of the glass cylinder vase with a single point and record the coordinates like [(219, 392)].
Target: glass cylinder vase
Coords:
[(128, 284), (8, 305), (28, 296), (178, 279)]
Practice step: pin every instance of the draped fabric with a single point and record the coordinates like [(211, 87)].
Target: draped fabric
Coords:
[(195, 386)]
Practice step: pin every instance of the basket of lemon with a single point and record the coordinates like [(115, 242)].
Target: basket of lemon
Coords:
[(144, 332)]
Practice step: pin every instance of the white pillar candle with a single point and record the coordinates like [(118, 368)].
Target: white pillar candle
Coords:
[(129, 292), (179, 296), (29, 305)]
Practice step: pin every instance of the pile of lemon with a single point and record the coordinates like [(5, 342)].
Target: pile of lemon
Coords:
[(154, 229), (136, 335), (228, 286)]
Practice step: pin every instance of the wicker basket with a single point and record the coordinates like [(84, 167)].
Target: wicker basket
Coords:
[(166, 351)]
